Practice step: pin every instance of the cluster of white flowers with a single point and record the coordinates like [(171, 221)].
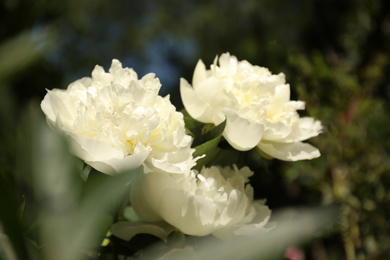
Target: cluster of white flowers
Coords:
[(117, 122)]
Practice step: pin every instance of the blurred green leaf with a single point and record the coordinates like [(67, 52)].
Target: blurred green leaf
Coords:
[(76, 215), (294, 227), (10, 219), (21, 51)]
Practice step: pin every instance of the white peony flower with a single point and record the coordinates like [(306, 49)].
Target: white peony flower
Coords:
[(116, 122), (257, 106), (216, 201)]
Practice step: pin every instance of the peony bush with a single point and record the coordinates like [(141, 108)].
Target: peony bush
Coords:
[(117, 122)]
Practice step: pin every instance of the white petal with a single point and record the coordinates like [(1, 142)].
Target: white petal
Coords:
[(235, 209), (103, 157), (289, 151), (305, 128), (198, 219), (199, 74), (281, 96), (156, 196), (275, 130), (146, 192), (116, 66), (228, 63), (213, 92), (263, 213), (257, 225), (118, 165), (242, 134), (57, 102), (100, 77), (183, 162), (194, 105), (48, 109)]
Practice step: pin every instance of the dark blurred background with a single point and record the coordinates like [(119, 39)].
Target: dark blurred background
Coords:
[(335, 55)]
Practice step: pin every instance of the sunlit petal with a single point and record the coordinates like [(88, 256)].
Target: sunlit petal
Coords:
[(289, 151), (242, 134)]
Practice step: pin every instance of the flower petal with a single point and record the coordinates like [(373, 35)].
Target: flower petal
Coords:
[(289, 151), (213, 92), (275, 131), (305, 128), (242, 134), (118, 165), (48, 109), (56, 102), (146, 193), (194, 105), (200, 74), (157, 196), (179, 162), (257, 225), (103, 157), (199, 216), (281, 96)]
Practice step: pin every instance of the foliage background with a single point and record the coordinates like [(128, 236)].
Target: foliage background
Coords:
[(335, 55)]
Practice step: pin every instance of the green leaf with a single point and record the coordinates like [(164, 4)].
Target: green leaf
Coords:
[(127, 230), (10, 220), (21, 208), (263, 154), (206, 139), (193, 126), (77, 213), (129, 214), (207, 144), (209, 133), (210, 149), (207, 147), (24, 49)]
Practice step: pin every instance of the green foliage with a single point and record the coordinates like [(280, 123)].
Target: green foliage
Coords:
[(206, 139)]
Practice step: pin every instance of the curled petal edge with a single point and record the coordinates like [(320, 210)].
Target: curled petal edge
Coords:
[(289, 151)]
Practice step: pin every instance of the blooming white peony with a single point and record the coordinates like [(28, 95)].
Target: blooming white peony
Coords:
[(117, 122), (216, 201), (256, 105)]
